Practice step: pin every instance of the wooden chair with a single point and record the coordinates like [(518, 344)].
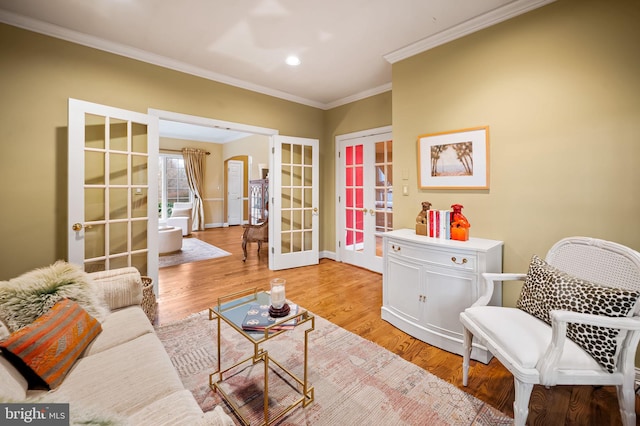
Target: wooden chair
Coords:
[(538, 353), (255, 233)]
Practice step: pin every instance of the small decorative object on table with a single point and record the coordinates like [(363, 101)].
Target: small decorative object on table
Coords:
[(279, 307), (422, 219), (459, 224), (149, 305)]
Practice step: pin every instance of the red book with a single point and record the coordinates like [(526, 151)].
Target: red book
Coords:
[(431, 222)]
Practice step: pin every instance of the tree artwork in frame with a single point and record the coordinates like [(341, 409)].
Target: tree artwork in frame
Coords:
[(457, 159)]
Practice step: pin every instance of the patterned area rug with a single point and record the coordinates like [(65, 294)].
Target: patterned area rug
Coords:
[(355, 381), (193, 250)]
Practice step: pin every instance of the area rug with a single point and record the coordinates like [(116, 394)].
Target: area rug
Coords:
[(193, 250), (355, 381)]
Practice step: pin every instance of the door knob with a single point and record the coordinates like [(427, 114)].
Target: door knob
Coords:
[(76, 227)]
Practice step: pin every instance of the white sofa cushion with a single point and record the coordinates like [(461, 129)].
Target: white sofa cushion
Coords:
[(121, 326), (123, 379), (181, 213), (524, 338), (119, 287), (13, 386)]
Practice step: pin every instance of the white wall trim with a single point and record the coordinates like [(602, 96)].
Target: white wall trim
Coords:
[(214, 225), (210, 122), (358, 96), (363, 133), (511, 10), (325, 254)]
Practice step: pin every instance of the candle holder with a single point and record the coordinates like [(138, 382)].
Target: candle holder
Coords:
[(279, 307)]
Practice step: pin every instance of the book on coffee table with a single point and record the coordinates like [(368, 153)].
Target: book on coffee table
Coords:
[(258, 318)]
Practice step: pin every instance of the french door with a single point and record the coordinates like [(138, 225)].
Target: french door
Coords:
[(364, 196), (113, 197), (293, 204)]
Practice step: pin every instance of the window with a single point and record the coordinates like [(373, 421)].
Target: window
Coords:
[(172, 184)]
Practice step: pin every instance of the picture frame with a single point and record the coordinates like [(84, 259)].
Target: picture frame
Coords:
[(457, 159)]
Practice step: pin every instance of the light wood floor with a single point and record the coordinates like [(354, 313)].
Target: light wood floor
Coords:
[(351, 297)]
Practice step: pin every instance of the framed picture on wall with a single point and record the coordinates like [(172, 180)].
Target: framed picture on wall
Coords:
[(457, 159)]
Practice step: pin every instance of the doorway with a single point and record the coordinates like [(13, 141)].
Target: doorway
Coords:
[(294, 236)]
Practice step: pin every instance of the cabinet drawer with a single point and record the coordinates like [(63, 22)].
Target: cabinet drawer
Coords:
[(458, 259)]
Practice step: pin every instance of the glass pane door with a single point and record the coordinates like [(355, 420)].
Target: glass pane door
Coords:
[(365, 197), (294, 206), (112, 213)]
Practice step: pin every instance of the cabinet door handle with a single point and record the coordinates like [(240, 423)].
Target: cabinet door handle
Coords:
[(395, 248), (454, 260)]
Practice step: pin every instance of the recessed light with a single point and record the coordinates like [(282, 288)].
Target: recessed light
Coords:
[(293, 60)]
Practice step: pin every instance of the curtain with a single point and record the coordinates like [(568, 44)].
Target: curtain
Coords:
[(194, 160)]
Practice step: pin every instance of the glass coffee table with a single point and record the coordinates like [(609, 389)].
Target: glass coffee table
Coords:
[(232, 310)]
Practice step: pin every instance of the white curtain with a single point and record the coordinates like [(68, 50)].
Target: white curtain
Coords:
[(194, 164)]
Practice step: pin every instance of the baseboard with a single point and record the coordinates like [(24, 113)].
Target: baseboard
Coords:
[(214, 225), (327, 255)]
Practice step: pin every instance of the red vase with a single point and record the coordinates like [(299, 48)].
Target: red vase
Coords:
[(459, 224)]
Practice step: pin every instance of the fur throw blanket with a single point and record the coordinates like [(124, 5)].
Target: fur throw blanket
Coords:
[(25, 298)]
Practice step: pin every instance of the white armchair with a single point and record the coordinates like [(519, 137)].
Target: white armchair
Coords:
[(181, 217), (538, 352)]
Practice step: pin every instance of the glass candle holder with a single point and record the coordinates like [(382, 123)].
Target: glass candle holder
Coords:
[(278, 297)]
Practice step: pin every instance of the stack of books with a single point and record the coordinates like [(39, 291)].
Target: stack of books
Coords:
[(258, 318), (439, 224)]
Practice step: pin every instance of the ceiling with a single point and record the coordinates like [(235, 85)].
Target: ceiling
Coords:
[(346, 47)]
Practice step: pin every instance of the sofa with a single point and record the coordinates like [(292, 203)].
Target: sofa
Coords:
[(181, 217), (123, 375)]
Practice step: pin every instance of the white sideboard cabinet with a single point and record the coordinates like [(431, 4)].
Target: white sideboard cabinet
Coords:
[(428, 281)]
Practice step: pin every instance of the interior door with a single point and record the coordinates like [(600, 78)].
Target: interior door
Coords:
[(235, 192), (365, 196), (113, 197), (293, 207)]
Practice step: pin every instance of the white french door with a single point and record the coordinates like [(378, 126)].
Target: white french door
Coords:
[(293, 204), (364, 196), (113, 196)]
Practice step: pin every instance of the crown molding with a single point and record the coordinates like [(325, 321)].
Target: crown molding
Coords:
[(478, 23), (358, 96), (141, 55)]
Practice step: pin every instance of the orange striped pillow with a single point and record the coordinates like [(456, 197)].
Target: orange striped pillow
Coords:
[(45, 350)]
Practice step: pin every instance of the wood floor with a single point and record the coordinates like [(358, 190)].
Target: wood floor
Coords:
[(351, 297)]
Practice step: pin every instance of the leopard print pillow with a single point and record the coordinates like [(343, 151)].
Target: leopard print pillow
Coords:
[(547, 288)]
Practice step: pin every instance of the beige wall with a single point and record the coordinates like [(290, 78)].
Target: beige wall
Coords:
[(559, 89), (38, 75)]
